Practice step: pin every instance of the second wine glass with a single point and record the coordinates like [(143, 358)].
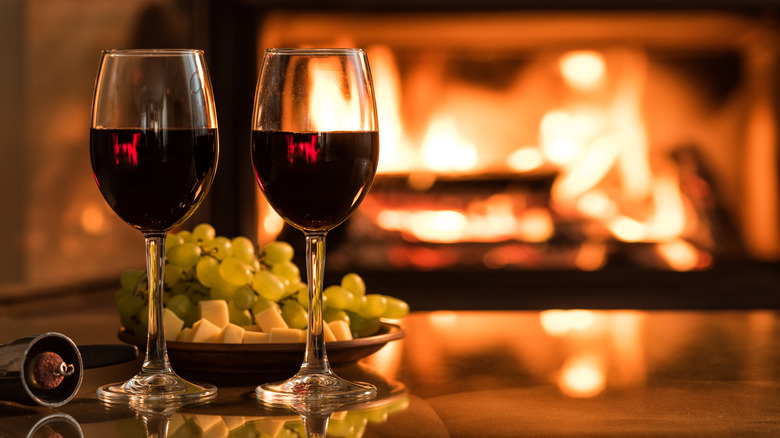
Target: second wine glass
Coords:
[(315, 149)]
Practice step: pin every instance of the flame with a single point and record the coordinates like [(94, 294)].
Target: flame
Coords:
[(444, 149), (592, 135), (583, 69), (583, 377), (331, 108)]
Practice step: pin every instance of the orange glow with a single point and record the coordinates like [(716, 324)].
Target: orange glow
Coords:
[(331, 108), (525, 159), (561, 322), (444, 149), (437, 226), (681, 255), (93, 219), (535, 225), (591, 256), (396, 152), (582, 377), (584, 69)]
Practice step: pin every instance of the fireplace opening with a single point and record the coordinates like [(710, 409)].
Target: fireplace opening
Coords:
[(559, 150)]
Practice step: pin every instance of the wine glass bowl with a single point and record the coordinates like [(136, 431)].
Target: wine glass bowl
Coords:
[(315, 150), (154, 150)]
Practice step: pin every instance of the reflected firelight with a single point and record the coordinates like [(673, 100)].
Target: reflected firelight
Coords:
[(126, 153)]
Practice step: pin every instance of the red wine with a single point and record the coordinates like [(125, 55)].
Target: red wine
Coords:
[(315, 180), (154, 180)]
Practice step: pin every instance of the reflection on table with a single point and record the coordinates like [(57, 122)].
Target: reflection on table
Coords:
[(495, 374)]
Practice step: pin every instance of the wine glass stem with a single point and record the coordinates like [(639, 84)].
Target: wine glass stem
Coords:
[(315, 359), (156, 360)]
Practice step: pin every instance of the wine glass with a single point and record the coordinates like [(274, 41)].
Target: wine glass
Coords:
[(315, 148), (154, 150)]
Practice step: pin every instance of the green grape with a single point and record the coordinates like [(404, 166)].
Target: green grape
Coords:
[(374, 306), (243, 249), (255, 265), (185, 255), (330, 315), (262, 304), (180, 305), (396, 308), (143, 316), (277, 252), (220, 247), (338, 297), (223, 290), (294, 286), (238, 316), (234, 271), (362, 327), (171, 240), (186, 236), (288, 270), (207, 271), (357, 305), (204, 233), (192, 316), (244, 297), (121, 292), (302, 296), (294, 315), (268, 285), (130, 278), (354, 283), (129, 304), (172, 275)]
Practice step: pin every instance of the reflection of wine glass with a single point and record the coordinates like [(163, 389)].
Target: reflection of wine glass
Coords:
[(315, 148), (154, 150)]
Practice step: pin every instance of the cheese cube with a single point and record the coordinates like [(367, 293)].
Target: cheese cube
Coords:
[(219, 430), (206, 422), (231, 334), (185, 335), (269, 319), (252, 328), (215, 311), (327, 333), (270, 426), (251, 337), (172, 324), (340, 330), (206, 331), (283, 335), (233, 422)]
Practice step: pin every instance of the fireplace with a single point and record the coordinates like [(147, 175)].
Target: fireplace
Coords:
[(549, 149)]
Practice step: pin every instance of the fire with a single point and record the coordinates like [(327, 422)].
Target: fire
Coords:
[(331, 107), (588, 133), (444, 149)]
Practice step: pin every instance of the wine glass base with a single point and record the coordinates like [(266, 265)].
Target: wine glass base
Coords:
[(156, 388), (315, 389)]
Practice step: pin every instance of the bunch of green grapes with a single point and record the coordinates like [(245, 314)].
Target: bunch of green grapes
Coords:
[(200, 265)]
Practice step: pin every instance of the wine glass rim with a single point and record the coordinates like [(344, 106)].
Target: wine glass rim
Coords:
[(314, 50), (150, 52)]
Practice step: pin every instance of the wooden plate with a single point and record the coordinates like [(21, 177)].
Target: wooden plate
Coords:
[(196, 357)]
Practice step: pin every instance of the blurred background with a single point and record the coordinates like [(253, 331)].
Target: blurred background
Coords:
[(534, 154)]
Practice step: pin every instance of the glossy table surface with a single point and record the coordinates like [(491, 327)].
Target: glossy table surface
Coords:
[(479, 374)]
